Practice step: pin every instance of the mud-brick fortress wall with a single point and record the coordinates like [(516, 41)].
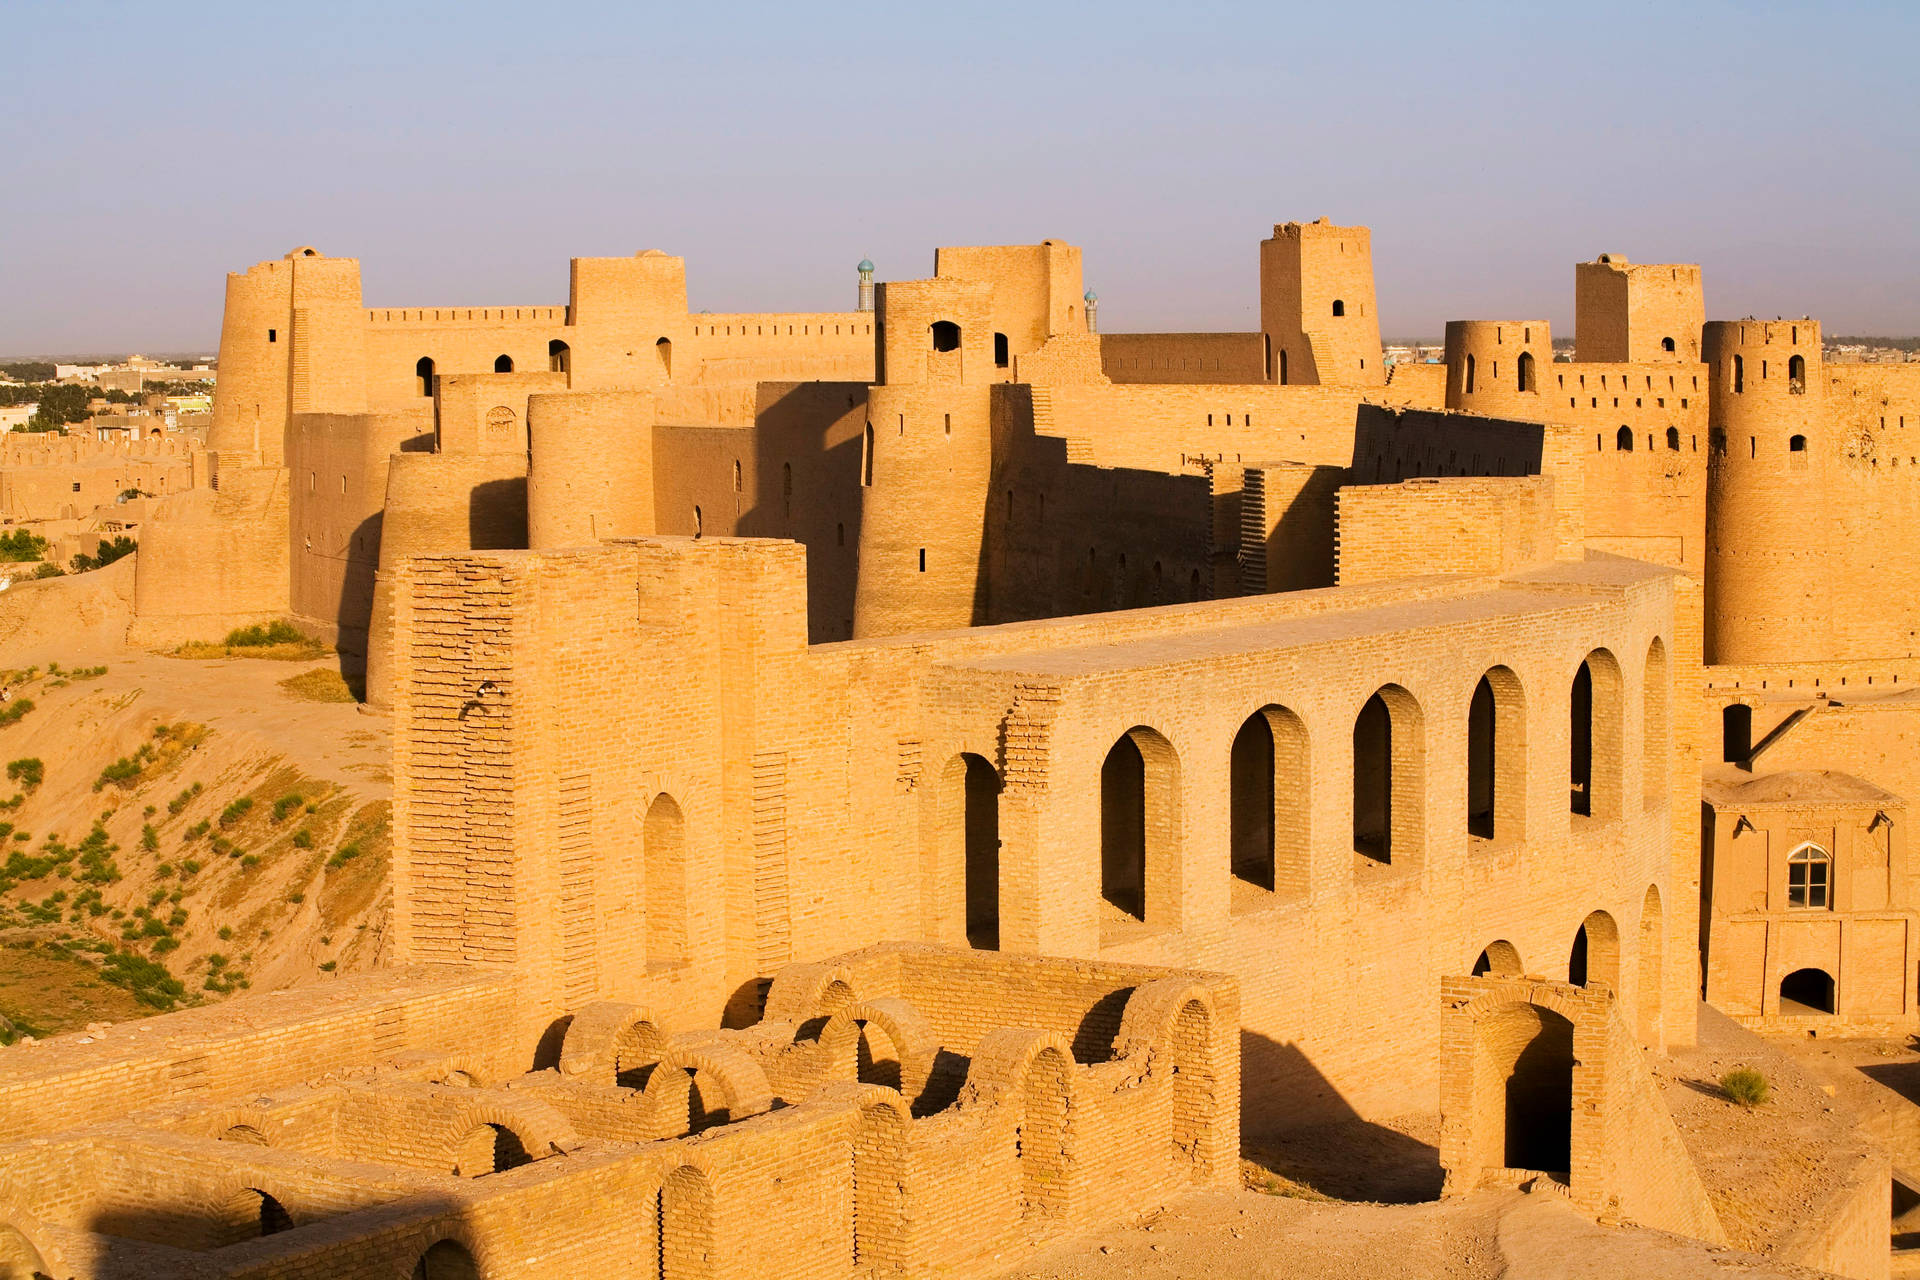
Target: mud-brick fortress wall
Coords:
[(635, 747)]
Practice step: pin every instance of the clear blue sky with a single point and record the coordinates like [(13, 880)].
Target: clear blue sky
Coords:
[(464, 151)]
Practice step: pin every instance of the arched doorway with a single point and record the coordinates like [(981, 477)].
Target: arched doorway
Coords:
[(559, 357), (1537, 1116), (1500, 959), (1386, 777), (447, 1260), (1595, 955), (1139, 826), (503, 364), (1806, 992)]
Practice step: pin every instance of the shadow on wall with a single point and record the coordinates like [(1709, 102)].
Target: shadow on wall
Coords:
[(1295, 1124), (356, 603), (497, 515)]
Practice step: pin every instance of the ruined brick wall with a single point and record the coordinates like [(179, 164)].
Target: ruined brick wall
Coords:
[(1522, 1057)]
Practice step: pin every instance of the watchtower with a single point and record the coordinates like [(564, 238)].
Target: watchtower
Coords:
[(1637, 314), (1317, 317)]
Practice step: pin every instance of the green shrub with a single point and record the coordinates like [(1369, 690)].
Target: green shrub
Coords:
[(28, 772), (22, 545), (149, 839), (49, 570), (285, 805), (303, 839), (13, 712), (123, 772), (345, 854), (259, 637), (1745, 1086), (236, 811)]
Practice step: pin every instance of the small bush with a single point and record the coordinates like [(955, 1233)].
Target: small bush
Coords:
[(345, 854), (49, 570), (123, 772), (15, 711), (285, 805), (149, 839), (303, 839), (236, 811), (1745, 1086), (28, 772), (277, 632)]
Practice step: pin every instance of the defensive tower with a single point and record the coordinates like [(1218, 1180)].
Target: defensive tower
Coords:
[(1316, 305), (1637, 314)]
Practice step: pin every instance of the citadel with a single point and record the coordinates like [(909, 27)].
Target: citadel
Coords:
[(877, 791)]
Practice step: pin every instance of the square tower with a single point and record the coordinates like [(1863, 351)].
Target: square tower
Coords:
[(1628, 314), (1317, 318)]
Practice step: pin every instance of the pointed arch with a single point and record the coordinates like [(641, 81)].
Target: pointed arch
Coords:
[(1140, 827), (663, 840)]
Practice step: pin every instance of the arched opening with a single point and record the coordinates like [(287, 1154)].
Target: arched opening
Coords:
[(1386, 777), (739, 479), (1739, 374), (876, 1056), (1339, 307), (1736, 733), (1805, 992), (663, 351), (1500, 959), (1496, 757), (663, 838), (698, 521), (1623, 440), (1652, 953), (423, 373), (1655, 726), (1796, 444), (273, 1216), (1000, 356), (1666, 344), (503, 364), (446, 1260), (19, 1260), (1810, 878), (559, 357), (1250, 804), (1673, 439), (635, 1049), (1796, 374), (1138, 826), (1469, 375), (687, 1244), (244, 1133), (488, 1148), (866, 459), (1043, 1137), (1529, 1050), (1283, 366), (1593, 734), (946, 335), (1595, 954), (969, 835), (1266, 354), (1525, 372)]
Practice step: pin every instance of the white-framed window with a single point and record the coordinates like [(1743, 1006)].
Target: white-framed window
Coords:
[(1810, 878)]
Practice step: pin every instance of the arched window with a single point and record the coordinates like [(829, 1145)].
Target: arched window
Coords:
[(1595, 955), (1139, 827), (503, 364), (1283, 366), (559, 357), (1810, 878), (1525, 372), (1796, 444), (1267, 802), (866, 458), (1673, 439), (423, 370), (1000, 357), (1594, 737), (1500, 959), (1623, 440), (1266, 345), (1496, 757), (1469, 381), (1666, 344), (663, 838), (1807, 991), (1739, 374), (1796, 374), (946, 335), (697, 522), (1386, 777), (663, 351), (969, 833), (1339, 307), (738, 479)]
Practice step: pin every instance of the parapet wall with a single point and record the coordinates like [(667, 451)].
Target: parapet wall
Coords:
[(1419, 527)]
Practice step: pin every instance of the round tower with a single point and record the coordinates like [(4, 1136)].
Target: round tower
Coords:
[(1092, 300), (866, 284), (927, 459), (1495, 367), (256, 333), (1770, 595), (589, 468)]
